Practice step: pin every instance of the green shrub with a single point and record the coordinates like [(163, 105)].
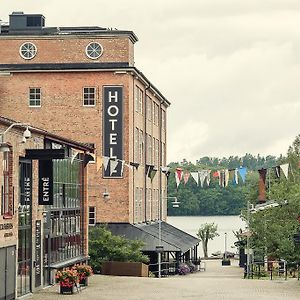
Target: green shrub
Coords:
[(104, 246)]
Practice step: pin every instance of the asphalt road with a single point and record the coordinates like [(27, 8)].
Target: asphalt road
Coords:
[(215, 283)]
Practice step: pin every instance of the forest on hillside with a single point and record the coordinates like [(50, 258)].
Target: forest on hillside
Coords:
[(215, 199)]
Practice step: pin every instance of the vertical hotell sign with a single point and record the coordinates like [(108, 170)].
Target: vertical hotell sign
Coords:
[(113, 128), (45, 182)]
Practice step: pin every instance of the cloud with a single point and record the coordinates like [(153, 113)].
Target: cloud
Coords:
[(230, 68)]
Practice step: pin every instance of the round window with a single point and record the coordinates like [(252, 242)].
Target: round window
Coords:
[(28, 50), (93, 50)]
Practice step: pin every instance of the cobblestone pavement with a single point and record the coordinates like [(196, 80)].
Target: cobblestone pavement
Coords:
[(215, 283)]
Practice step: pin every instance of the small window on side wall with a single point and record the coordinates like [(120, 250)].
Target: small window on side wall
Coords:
[(35, 97), (92, 216), (89, 96)]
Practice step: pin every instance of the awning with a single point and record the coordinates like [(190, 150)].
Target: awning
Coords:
[(172, 238)]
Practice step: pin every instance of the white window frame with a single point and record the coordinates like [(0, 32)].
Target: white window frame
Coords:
[(93, 50), (37, 96), (28, 48), (84, 92), (93, 218)]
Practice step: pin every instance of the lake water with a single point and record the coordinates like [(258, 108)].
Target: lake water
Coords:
[(226, 224)]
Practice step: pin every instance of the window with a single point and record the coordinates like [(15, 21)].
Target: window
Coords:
[(136, 201), (28, 50), (139, 100), (35, 97), (141, 147), (155, 113), (136, 144), (149, 149), (149, 108), (163, 154), (163, 119), (93, 50), (157, 152), (92, 215), (89, 96), (6, 191)]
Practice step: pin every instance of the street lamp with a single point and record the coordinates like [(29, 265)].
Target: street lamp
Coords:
[(26, 135), (160, 248)]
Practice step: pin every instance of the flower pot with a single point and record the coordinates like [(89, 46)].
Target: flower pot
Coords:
[(84, 281), (226, 262), (66, 289)]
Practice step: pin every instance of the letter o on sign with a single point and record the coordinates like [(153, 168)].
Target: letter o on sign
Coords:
[(113, 110)]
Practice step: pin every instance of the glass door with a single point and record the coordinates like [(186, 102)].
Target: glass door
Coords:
[(25, 229)]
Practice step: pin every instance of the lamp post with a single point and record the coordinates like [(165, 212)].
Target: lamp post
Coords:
[(26, 134), (225, 254), (160, 248)]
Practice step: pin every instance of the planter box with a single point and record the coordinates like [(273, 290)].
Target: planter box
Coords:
[(226, 262), (84, 281), (66, 289), (118, 268)]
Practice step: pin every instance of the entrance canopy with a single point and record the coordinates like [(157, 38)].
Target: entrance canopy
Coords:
[(172, 238)]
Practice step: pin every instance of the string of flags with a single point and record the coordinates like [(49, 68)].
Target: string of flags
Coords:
[(201, 177), (224, 176)]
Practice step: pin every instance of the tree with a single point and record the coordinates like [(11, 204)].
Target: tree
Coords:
[(206, 232)]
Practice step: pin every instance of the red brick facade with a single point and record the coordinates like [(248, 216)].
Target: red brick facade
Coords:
[(133, 198)]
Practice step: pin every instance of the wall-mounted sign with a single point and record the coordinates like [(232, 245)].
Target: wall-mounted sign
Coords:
[(38, 253), (45, 182), (6, 226), (113, 127)]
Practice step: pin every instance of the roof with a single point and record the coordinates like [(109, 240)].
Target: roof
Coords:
[(49, 135), (172, 238), (79, 67)]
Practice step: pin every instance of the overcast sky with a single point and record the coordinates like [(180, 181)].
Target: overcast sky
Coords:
[(230, 68)]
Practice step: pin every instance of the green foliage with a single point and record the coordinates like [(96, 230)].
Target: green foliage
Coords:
[(273, 228), (206, 232), (103, 246)]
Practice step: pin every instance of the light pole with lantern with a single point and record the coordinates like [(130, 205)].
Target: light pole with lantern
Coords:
[(160, 248)]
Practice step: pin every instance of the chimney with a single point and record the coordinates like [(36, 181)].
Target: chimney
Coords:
[(262, 185)]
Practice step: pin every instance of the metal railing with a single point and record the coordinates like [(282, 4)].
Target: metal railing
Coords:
[(279, 269), (167, 268)]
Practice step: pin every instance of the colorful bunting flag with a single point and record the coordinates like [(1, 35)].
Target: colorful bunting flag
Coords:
[(195, 175), (99, 162), (186, 177), (208, 177), (243, 172), (105, 162), (178, 176), (202, 176), (113, 166), (285, 170)]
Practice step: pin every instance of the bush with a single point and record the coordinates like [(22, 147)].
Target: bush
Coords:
[(192, 267), (183, 269), (104, 246)]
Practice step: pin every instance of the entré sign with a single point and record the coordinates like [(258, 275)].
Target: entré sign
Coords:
[(113, 127), (45, 182)]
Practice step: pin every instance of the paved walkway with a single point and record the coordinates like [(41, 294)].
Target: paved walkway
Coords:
[(215, 283)]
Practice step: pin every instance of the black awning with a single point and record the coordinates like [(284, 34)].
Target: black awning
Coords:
[(172, 238)]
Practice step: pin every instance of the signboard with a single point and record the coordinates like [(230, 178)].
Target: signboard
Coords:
[(38, 253), (113, 128), (45, 182)]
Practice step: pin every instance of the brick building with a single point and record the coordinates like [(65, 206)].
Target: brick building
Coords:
[(37, 236), (60, 79), (81, 82)]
